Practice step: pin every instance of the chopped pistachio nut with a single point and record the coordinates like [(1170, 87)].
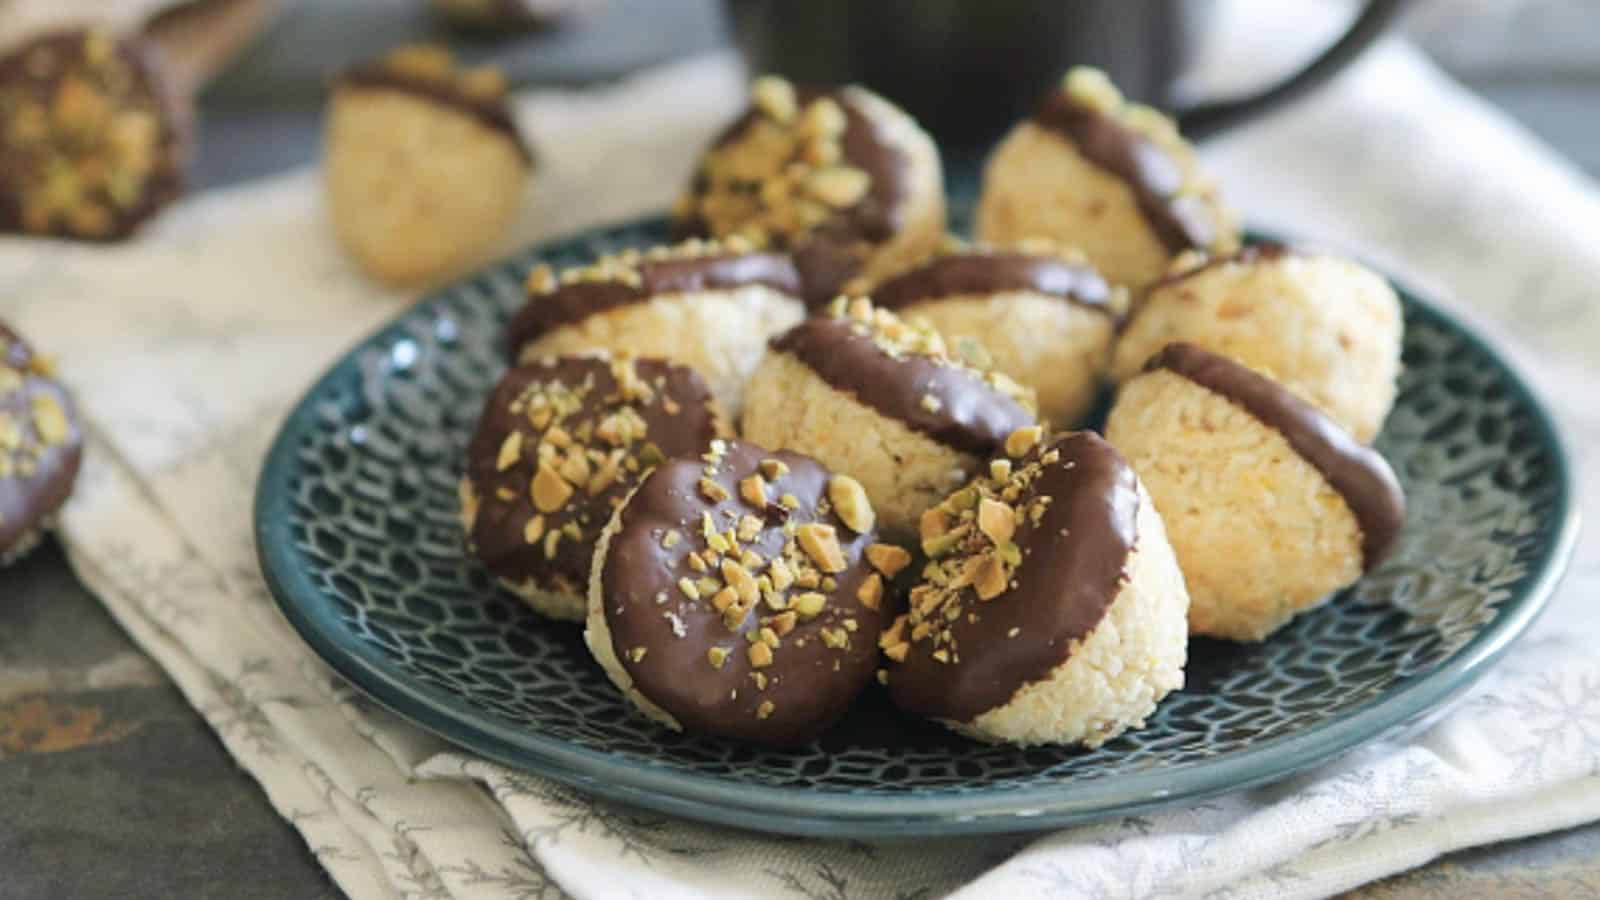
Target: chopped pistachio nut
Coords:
[(784, 622), (809, 604), (773, 469), (712, 491), (753, 490), (1019, 442), (996, 520), (821, 543), (871, 591), (760, 655), (850, 503), (534, 530), (782, 576), (782, 175), (888, 558), (510, 451), (717, 656), (766, 709)]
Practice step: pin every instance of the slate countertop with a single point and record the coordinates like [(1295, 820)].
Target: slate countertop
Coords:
[(112, 786)]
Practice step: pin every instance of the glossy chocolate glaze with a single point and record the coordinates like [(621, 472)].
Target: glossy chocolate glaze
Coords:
[(1181, 222), (35, 478), (1360, 475), (498, 532), (149, 90), (492, 113), (809, 683), (971, 415), (571, 303), (1074, 564), (833, 253), (980, 274)]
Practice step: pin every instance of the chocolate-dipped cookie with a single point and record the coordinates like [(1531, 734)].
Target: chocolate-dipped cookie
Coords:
[(1271, 505), (886, 400), (1044, 315), (423, 164), (41, 446), (1112, 178), (741, 594), (1326, 327), (560, 443), (1051, 610), (710, 305), (839, 176), (93, 139)]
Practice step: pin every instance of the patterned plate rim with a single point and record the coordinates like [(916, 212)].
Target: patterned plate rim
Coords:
[(810, 812)]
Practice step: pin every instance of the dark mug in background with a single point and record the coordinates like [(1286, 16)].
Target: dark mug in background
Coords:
[(968, 69)]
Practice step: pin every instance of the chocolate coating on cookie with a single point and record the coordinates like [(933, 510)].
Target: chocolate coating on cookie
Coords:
[(93, 139), (1357, 472), (737, 598), (1005, 613), (983, 273), (539, 510), (1181, 222), (610, 287), (963, 408), (429, 74), (1266, 251), (830, 244), (41, 445)]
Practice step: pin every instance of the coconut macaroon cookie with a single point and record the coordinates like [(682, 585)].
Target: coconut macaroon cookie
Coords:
[(1327, 328), (93, 139), (41, 446), (839, 176), (1045, 316), (1271, 505), (1112, 178), (741, 594), (423, 164), (886, 400), (710, 305), (560, 443), (1052, 610)]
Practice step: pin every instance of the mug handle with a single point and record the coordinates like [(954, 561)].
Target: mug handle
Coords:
[(1205, 119)]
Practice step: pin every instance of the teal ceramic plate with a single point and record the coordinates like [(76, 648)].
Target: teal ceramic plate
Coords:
[(357, 531)]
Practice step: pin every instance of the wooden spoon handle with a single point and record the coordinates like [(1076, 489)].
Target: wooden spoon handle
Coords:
[(198, 38)]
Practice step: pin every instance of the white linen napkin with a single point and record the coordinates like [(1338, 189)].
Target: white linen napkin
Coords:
[(186, 348)]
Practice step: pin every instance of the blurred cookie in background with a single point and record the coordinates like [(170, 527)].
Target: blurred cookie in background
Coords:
[(1112, 178), (423, 164), (837, 176), (93, 138)]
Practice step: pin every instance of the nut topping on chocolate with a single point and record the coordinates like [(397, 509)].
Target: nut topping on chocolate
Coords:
[(560, 444), (782, 609), (40, 445), (92, 142)]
